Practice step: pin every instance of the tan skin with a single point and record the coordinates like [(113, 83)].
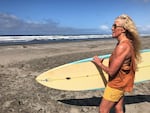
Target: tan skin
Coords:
[(121, 52)]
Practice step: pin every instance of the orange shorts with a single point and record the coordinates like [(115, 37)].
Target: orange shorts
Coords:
[(112, 94)]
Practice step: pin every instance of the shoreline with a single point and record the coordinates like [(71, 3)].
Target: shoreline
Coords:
[(50, 41), (20, 65)]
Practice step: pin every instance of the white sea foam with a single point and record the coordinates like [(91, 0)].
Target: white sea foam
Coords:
[(5, 39), (53, 37)]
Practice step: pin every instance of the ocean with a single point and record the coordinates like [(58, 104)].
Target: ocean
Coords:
[(37, 39), (13, 40)]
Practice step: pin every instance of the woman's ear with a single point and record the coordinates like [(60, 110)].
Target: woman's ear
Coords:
[(123, 30)]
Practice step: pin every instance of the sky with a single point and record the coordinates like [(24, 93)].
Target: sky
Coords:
[(46, 17)]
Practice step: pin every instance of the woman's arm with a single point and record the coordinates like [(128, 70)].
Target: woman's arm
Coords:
[(121, 52)]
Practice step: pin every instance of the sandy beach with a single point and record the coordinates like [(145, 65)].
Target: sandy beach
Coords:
[(21, 64)]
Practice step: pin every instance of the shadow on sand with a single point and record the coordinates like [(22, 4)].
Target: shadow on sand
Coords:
[(94, 101)]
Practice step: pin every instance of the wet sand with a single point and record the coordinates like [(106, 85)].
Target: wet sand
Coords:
[(21, 64)]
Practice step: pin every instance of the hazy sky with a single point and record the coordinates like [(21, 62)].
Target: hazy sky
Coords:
[(69, 16)]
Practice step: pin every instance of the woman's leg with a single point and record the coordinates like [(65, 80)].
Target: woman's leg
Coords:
[(111, 97), (119, 106), (105, 106)]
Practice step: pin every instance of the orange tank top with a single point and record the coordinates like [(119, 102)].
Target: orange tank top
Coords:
[(124, 79)]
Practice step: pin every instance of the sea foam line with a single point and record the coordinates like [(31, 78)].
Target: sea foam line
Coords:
[(54, 37)]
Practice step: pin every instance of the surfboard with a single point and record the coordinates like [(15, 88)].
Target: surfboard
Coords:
[(85, 75)]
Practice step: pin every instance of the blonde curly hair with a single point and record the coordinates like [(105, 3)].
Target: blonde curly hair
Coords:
[(132, 34)]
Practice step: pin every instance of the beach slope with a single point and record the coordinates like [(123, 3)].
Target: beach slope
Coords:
[(21, 64)]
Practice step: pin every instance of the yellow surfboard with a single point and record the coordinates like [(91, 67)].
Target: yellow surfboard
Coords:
[(84, 74)]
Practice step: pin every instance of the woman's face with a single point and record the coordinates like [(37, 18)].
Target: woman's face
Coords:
[(117, 28)]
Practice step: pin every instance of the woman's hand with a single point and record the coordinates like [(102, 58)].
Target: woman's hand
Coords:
[(97, 60)]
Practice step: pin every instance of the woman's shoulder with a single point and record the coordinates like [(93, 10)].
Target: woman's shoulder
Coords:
[(126, 44), (123, 48)]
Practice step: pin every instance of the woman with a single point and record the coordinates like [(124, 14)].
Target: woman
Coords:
[(122, 64)]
